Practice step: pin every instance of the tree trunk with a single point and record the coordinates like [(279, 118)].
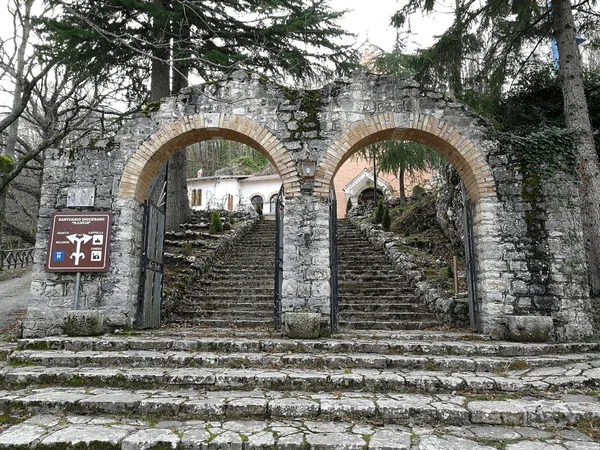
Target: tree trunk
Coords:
[(374, 178), (178, 207), (401, 186), (13, 130), (577, 119)]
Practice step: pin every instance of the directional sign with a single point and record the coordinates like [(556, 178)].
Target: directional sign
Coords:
[(79, 242)]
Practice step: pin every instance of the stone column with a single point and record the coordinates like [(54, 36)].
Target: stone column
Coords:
[(306, 292), (490, 267)]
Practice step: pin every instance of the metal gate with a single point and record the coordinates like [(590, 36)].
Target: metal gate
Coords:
[(278, 259), (150, 294), (333, 262), (467, 220)]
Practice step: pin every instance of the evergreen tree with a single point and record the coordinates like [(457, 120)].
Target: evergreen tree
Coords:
[(386, 220), (165, 40), (216, 226), (379, 212), (348, 205)]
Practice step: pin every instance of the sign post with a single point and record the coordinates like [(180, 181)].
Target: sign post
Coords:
[(79, 242)]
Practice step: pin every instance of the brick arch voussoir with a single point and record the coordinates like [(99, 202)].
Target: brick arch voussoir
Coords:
[(144, 164), (444, 138)]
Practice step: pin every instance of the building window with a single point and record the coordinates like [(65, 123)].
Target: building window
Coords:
[(273, 203), (229, 202), (257, 200), (199, 197), (193, 199)]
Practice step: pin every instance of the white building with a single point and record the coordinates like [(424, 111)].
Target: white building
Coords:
[(234, 192)]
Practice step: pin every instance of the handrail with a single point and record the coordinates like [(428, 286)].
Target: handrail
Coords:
[(19, 257)]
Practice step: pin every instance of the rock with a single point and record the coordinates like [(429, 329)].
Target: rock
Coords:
[(302, 325), (530, 328), (84, 323)]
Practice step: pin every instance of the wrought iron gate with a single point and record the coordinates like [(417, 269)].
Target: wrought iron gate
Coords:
[(278, 259), (470, 260), (333, 262), (150, 294)]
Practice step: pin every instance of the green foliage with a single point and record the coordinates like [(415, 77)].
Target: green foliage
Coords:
[(379, 213), (417, 190), (254, 162), (411, 157), (6, 164), (386, 221), (349, 205), (544, 151), (116, 38), (216, 226), (259, 210)]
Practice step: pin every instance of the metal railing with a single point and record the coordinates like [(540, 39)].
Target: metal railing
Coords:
[(19, 257), (278, 259), (333, 260)]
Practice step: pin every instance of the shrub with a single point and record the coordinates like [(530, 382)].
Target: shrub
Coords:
[(349, 205), (386, 221), (379, 212), (259, 211), (216, 226), (417, 190)]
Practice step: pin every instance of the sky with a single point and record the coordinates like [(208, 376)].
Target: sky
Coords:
[(370, 20)]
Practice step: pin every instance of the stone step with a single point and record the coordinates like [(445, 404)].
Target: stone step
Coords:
[(194, 297), (232, 323), (367, 291), (386, 316), (432, 343), (232, 313), (386, 325), (109, 431), (226, 304), (235, 289), (365, 306), (525, 367), (309, 380)]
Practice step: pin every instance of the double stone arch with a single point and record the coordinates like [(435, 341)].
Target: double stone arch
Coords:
[(442, 137)]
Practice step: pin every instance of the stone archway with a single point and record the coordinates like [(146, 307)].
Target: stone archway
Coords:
[(473, 168), (322, 127), (144, 164)]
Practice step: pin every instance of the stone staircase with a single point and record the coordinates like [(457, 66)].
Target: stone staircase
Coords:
[(372, 295), (236, 389), (238, 291)]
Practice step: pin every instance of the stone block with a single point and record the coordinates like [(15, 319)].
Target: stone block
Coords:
[(84, 322), (302, 325), (530, 328)]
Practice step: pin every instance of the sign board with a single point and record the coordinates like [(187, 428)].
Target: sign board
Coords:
[(79, 242), (78, 196)]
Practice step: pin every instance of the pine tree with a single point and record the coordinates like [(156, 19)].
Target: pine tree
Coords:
[(386, 221), (216, 226), (379, 212)]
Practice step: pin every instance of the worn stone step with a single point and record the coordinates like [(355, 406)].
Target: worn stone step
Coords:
[(349, 305), (346, 341), (387, 408), (309, 380), (234, 289), (386, 316), (226, 304), (525, 366), (376, 299), (110, 431), (199, 298), (384, 290), (224, 313), (387, 325), (232, 323)]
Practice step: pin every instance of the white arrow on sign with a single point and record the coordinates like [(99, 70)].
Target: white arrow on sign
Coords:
[(77, 254)]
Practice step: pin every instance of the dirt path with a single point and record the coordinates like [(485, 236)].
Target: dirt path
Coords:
[(14, 295)]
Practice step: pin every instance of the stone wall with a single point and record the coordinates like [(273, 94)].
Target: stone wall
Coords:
[(325, 126)]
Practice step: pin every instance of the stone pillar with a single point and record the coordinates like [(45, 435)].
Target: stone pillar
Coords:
[(306, 292), (490, 267)]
